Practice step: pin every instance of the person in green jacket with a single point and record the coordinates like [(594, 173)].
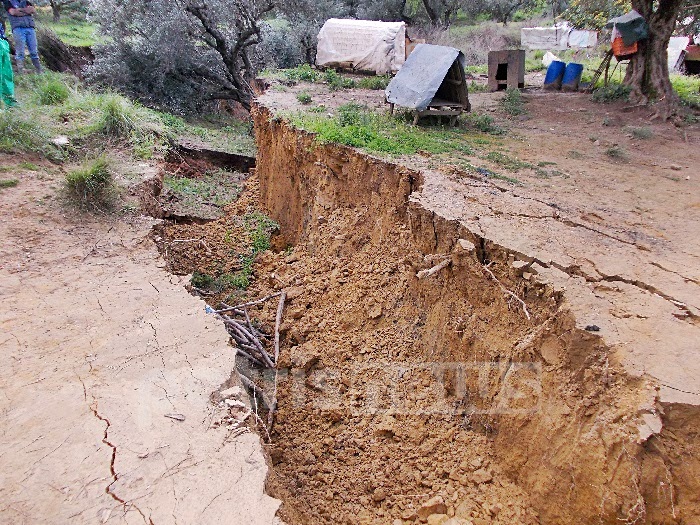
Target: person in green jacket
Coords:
[(7, 83)]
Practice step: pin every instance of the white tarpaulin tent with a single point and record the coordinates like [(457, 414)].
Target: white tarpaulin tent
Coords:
[(558, 37), (363, 45)]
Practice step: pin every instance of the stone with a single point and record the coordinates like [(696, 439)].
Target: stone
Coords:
[(675, 167), (375, 312), (481, 476), (234, 391), (466, 245), (379, 494), (437, 519), (464, 509), (435, 505), (294, 292)]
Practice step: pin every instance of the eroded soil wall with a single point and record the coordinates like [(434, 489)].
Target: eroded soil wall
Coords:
[(402, 389)]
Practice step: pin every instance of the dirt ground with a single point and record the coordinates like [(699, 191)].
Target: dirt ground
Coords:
[(99, 343)]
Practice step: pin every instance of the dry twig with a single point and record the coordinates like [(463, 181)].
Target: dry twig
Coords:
[(506, 290)]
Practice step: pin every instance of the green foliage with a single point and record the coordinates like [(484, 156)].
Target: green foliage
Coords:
[(513, 103), (8, 183), (52, 90), (90, 185), (594, 14), (355, 125), (376, 82), (259, 227), (303, 72), (477, 87), (304, 98), (336, 81), (201, 280), (611, 93), (483, 123), (507, 162), (73, 29)]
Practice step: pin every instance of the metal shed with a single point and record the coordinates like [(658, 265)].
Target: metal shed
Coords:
[(431, 82)]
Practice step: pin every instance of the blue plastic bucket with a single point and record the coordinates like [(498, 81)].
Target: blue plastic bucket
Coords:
[(572, 76), (555, 73)]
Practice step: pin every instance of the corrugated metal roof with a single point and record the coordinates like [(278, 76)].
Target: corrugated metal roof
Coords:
[(417, 82)]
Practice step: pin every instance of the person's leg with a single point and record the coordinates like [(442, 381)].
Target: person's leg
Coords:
[(33, 49), (7, 85), (19, 38)]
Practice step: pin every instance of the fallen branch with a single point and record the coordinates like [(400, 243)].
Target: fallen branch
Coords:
[(278, 322), (506, 290), (243, 353), (435, 269), (250, 303)]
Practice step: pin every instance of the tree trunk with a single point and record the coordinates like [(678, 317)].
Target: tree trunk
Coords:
[(647, 73), (56, 10)]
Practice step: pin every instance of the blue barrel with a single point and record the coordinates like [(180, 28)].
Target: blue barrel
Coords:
[(572, 76), (555, 73)]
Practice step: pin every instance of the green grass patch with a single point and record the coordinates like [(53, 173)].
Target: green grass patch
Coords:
[(52, 90), (73, 29), (509, 180), (377, 82), (90, 186), (8, 183), (616, 153), (29, 166), (355, 125), (20, 131), (509, 163), (688, 89)]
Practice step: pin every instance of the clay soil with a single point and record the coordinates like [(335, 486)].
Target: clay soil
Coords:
[(367, 429)]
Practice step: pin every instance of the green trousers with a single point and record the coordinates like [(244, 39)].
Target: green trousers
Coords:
[(7, 85)]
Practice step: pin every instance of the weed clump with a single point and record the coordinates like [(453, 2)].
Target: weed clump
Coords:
[(616, 152), (90, 185), (513, 103), (304, 98), (642, 133), (336, 81), (20, 132), (611, 93), (483, 123)]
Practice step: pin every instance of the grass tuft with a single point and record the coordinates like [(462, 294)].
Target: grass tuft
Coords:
[(52, 91), (304, 98), (116, 118), (89, 186), (611, 93), (8, 183), (376, 83)]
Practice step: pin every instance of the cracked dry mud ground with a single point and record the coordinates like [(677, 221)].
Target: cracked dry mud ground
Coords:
[(98, 343)]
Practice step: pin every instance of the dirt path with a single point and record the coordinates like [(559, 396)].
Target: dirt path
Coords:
[(98, 344)]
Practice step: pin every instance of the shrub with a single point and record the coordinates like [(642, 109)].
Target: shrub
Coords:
[(641, 133), (89, 186)]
